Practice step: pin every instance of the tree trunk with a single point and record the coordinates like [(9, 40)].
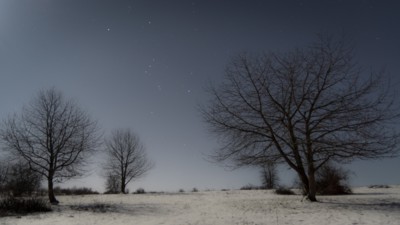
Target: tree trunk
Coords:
[(305, 182), (52, 198), (312, 191), (123, 186)]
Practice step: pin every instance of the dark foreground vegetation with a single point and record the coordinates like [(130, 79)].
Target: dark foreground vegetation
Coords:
[(95, 207), (10, 206), (33, 200)]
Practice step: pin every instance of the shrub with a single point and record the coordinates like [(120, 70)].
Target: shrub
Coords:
[(250, 187), (85, 191), (284, 191), (195, 190), (74, 191), (181, 190), (332, 180), (12, 205), (19, 180), (140, 191), (379, 186)]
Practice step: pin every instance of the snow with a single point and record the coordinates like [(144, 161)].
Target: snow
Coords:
[(366, 206)]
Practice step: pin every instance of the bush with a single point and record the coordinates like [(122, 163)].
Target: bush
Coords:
[(284, 191), (11, 205), (74, 191), (19, 180), (181, 191), (379, 186), (140, 191), (195, 190), (250, 187), (332, 180)]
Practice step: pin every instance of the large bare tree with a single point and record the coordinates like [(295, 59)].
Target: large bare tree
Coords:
[(303, 108), (53, 135), (126, 158)]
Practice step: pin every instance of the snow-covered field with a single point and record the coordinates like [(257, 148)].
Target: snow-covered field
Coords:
[(366, 206)]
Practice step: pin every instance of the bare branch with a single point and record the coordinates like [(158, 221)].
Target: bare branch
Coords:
[(303, 108)]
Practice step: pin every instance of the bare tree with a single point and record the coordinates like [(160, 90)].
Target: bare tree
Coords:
[(303, 108), (126, 157), (269, 175), (53, 135), (112, 184)]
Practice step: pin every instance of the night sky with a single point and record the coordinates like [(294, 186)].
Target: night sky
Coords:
[(145, 64)]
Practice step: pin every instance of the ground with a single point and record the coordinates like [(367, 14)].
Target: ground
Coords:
[(365, 206)]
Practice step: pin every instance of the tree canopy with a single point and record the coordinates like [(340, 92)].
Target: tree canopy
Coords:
[(304, 108)]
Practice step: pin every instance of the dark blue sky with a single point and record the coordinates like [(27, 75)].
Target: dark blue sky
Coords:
[(144, 65)]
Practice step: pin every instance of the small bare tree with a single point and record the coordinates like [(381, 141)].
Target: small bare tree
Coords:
[(126, 158), (53, 135), (304, 108), (269, 175), (112, 184)]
